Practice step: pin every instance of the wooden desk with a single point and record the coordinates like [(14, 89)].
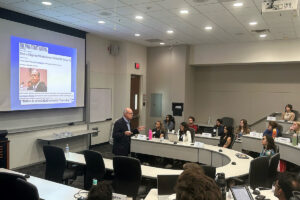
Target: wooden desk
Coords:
[(49, 190), (152, 195), (60, 136)]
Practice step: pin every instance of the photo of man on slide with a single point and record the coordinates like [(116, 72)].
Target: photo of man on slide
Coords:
[(36, 84)]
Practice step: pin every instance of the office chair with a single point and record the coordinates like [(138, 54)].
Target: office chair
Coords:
[(209, 171), (192, 131), (258, 172), (127, 176), (7, 182), (273, 164), (296, 114), (56, 165), (95, 168), (227, 121), (26, 190)]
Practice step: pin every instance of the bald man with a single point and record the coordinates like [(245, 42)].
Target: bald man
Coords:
[(122, 133)]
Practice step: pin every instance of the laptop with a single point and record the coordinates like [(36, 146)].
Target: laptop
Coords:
[(165, 186), (241, 193), (172, 137)]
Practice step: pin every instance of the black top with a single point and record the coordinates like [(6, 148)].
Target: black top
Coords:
[(157, 133), (223, 140), (220, 130)]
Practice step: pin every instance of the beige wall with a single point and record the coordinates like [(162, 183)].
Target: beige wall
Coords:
[(167, 75), (245, 91)]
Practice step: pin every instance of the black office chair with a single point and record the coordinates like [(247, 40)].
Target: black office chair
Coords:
[(56, 165), (258, 172), (227, 121), (192, 131), (127, 176), (209, 171), (296, 114), (95, 168), (7, 182), (273, 164), (26, 190)]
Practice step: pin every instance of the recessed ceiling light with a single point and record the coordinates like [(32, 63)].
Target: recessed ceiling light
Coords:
[(207, 27), (47, 3), (170, 31), (101, 22), (263, 35), (238, 4), (137, 35), (162, 43), (252, 23), (139, 17), (184, 12)]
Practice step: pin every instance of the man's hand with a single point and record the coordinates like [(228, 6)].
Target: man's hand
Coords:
[(141, 128), (128, 133)]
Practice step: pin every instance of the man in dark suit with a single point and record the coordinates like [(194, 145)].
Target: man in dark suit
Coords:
[(37, 85), (122, 133)]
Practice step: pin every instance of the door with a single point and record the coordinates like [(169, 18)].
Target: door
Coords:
[(135, 100)]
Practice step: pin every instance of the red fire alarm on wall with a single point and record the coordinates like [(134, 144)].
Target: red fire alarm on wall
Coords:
[(137, 65)]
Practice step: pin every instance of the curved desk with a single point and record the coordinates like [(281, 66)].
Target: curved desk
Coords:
[(208, 154)]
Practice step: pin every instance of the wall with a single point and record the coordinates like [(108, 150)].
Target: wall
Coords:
[(245, 91), (254, 52), (167, 75)]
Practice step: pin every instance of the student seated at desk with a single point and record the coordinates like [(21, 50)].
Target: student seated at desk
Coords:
[(169, 123), (158, 131), (184, 135), (219, 128), (295, 128), (269, 147), (243, 128), (272, 129), (102, 191), (191, 123), (226, 138), (288, 115)]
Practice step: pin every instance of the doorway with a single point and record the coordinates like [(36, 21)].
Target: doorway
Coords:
[(135, 99)]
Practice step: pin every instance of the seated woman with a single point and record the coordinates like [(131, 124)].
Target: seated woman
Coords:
[(169, 123), (295, 128), (243, 128), (158, 131), (192, 125), (184, 135), (288, 115), (226, 138), (269, 147), (272, 129)]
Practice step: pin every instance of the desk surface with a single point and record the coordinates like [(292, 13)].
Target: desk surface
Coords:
[(49, 190), (152, 195), (54, 137)]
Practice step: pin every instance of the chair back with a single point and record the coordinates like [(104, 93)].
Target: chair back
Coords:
[(296, 114), (227, 121), (273, 164), (258, 172), (128, 175), (209, 171), (192, 131), (55, 163), (7, 182), (95, 168), (26, 190)]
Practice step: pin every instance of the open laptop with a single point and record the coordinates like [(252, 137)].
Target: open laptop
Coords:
[(165, 186), (172, 137), (241, 193)]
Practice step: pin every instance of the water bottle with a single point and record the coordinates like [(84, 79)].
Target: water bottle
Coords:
[(67, 149), (150, 134), (208, 120), (294, 139), (95, 181)]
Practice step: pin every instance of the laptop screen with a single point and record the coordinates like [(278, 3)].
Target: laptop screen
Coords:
[(241, 193), (166, 184)]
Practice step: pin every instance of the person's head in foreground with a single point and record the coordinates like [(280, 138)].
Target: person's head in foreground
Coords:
[(102, 191), (284, 186), (194, 185)]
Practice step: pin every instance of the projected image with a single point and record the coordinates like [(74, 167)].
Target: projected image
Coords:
[(33, 79), (43, 75)]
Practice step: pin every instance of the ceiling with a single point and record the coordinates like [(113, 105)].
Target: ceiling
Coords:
[(229, 24)]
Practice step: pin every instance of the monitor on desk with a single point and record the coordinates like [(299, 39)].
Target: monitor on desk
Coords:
[(166, 184)]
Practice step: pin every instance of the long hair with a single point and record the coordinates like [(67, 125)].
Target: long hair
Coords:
[(185, 126), (170, 119), (229, 131), (160, 125), (289, 106), (245, 128), (271, 144)]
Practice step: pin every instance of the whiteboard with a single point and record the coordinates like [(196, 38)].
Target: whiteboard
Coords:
[(100, 104)]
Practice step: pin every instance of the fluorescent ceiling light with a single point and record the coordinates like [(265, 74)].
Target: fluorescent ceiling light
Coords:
[(239, 4), (101, 22), (252, 23), (139, 17), (170, 31), (137, 35), (207, 27), (162, 43), (184, 12), (47, 3), (263, 35)]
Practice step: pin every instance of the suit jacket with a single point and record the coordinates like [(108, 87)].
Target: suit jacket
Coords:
[(41, 87), (121, 145)]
